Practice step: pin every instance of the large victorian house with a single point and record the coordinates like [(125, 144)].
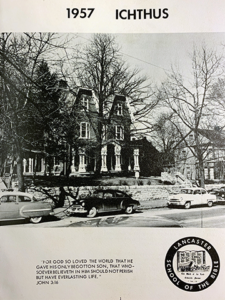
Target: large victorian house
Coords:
[(101, 135), (108, 130)]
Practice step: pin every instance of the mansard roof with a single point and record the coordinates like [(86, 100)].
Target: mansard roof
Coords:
[(88, 92), (109, 106)]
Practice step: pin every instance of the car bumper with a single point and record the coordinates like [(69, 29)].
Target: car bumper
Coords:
[(171, 203)]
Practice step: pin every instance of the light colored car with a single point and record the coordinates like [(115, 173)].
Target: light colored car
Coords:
[(190, 197), (19, 205)]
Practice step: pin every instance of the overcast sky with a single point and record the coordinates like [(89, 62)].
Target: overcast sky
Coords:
[(155, 53)]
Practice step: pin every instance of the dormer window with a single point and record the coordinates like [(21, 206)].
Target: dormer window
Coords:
[(191, 137), (183, 153), (119, 132), (119, 109), (84, 103)]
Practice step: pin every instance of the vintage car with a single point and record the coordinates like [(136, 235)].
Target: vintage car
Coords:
[(19, 205), (219, 192), (104, 201), (190, 197)]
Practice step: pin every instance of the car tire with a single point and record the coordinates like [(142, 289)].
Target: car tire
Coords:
[(210, 203), (129, 209), (92, 212), (36, 220), (187, 205)]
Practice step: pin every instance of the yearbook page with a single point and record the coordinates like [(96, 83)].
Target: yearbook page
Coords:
[(112, 149)]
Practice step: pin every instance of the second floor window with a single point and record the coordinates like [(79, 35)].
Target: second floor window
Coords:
[(119, 109), (84, 130), (104, 132), (84, 103), (119, 132)]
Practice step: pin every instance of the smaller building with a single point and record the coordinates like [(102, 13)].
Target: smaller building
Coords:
[(212, 143)]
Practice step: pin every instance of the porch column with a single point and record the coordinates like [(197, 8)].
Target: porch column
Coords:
[(104, 156), (43, 165), (30, 165), (95, 164), (136, 160), (211, 172), (118, 158), (129, 166), (82, 165), (73, 168), (24, 165), (136, 163)]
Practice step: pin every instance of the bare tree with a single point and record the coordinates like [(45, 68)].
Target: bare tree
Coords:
[(20, 55), (188, 99), (102, 70)]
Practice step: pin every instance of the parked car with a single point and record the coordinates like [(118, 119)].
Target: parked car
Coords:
[(19, 205), (219, 192), (104, 201), (190, 197)]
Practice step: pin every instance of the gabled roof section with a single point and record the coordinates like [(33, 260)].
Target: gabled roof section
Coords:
[(214, 136)]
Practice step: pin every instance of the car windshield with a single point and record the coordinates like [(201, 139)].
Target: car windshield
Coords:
[(187, 191)]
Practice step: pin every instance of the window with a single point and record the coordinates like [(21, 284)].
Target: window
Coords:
[(104, 132), (4, 199), (120, 195), (197, 192), (119, 132), (183, 153), (23, 199), (98, 195), (185, 191), (108, 195), (84, 103), (119, 109), (84, 130), (8, 198)]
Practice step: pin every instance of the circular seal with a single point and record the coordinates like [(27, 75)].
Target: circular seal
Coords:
[(192, 264)]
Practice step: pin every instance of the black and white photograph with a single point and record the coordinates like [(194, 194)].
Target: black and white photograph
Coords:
[(112, 150), (95, 132)]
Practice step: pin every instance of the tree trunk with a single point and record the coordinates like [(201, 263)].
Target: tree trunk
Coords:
[(20, 176), (98, 159), (201, 173)]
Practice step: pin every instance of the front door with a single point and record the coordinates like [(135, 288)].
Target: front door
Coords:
[(111, 158)]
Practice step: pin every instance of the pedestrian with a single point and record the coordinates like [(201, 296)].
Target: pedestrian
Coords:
[(62, 197)]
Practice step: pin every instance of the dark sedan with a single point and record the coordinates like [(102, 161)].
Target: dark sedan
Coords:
[(219, 192), (104, 201)]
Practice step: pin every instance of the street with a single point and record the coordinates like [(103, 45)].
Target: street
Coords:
[(199, 217)]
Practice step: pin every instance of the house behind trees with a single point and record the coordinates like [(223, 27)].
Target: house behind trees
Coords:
[(118, 154), (212, 143)]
